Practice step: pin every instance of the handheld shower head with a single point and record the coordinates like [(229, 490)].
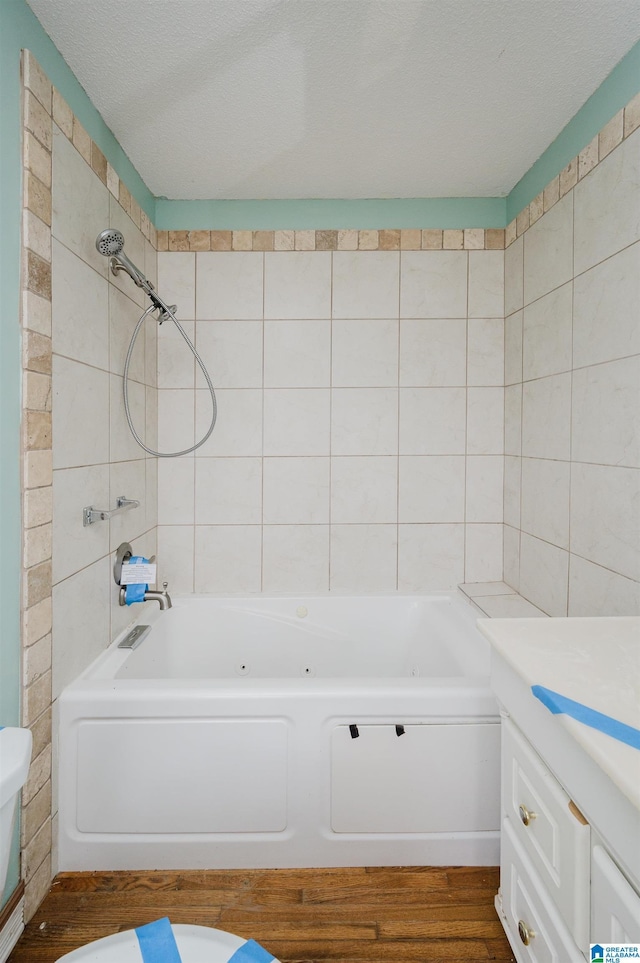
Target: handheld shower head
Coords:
[(111, 244)]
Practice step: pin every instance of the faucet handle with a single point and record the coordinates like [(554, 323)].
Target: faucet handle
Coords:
[(165, 586)]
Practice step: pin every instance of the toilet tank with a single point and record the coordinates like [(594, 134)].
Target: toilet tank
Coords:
[(15, 756)]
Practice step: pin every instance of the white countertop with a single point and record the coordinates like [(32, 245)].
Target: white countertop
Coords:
[(594, 661)]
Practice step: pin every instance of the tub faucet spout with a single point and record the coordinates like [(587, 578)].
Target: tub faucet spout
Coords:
[(163, 598)]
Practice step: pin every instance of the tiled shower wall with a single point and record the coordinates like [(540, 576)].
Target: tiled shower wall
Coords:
[(360, 437), (572, 413), (77, 320)]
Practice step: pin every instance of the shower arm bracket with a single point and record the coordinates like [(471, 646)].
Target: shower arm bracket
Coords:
[(91, 514)]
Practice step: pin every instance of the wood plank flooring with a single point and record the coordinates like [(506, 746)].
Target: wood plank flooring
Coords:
[(359, 915)]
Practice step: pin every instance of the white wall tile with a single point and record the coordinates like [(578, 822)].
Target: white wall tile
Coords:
[(122, 444), (604, 517), (176, 490), (80, 622), (295, 558), (231, 352), (514, 277), (79, 309), (606, 413), (431, 488), (177, 282), (128, 478), (297, 354), (546, 347), (483, 553), (365, 284), (80, 414), (432, 421), (228, 491), (486, 284), (296, 491), (546, 417), (296, 421), (123, 317), (364, 421), (364, 354), (151, 414), (364, 490), (229, 285), (238, 427), (151, 475), (176, 363), (175, 420), (80, 203), (548, 250), (228, 559), (484, 488), (485, 421), (606, 310), (433, 284), (485, 351), (363, 558), (74, 545), (544, 571), (175, 558), (595, 591), (433, 352), (430, 557), (545, 500), (513, 420), (511, 561), (513, 348), (297, 285), (512, 486), (607, 212), (150, 353)]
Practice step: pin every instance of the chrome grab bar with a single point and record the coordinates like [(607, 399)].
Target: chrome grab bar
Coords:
[(91, 514)]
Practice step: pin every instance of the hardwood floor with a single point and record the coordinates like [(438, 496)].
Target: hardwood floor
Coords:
[(372, 915)]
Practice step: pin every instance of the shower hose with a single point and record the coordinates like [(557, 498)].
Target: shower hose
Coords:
[(125, 385)]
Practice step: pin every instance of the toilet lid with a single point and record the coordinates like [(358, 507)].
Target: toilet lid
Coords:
[(196, 944)]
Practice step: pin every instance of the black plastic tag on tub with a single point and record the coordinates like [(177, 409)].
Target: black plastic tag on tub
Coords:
[(399, 730), (354, 731)]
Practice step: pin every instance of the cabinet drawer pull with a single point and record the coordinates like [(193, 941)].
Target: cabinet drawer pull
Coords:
[(525, 934), (526, 815)]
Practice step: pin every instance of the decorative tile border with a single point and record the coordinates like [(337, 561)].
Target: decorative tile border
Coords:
[(469, 239), (624, 123)]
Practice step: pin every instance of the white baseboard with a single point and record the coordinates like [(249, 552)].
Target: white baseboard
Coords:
[(12, 931)]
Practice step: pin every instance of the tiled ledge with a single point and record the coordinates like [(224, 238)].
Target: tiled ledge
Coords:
[(498, 600)]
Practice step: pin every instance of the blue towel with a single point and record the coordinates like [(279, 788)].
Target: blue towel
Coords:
[(157, 942), (557, 703), (135, 593)]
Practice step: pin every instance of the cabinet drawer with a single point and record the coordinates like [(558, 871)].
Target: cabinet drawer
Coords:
[(551, 831), (615, 905), (534, 927)]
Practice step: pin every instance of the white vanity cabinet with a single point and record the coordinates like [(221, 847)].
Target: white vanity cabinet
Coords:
[(570, 831)]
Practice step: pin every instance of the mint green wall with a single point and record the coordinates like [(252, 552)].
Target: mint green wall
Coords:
[(621, 86)]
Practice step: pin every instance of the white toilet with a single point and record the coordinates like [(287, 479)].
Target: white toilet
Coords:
[(195, 944), (15, 756)]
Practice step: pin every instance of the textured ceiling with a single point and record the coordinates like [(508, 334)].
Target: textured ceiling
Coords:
[(338, 98)]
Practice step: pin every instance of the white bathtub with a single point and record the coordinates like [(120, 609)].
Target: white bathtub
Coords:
[(227, 739)]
